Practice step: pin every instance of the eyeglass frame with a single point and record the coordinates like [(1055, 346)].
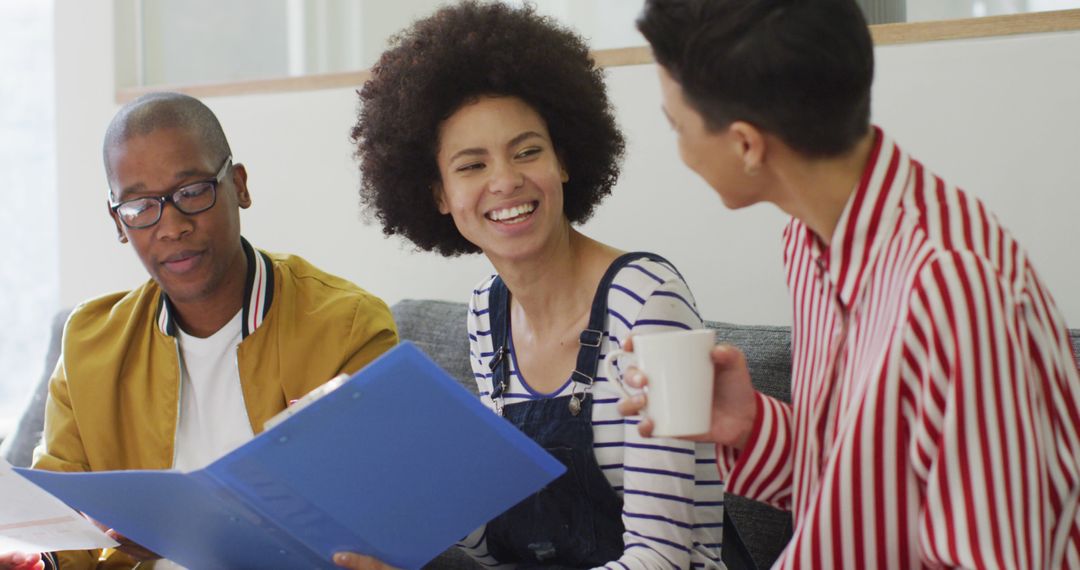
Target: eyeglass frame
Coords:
[(170, 198)]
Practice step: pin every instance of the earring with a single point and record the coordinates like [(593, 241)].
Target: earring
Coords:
[(751, 169)]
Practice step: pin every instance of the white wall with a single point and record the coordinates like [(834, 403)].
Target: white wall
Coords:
[(998, 116)]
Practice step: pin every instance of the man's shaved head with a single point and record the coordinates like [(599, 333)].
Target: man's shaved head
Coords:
[(165, 111)]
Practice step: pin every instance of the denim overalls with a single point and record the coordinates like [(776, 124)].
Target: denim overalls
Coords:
[(576, 521)]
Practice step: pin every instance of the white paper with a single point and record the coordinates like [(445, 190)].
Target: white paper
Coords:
[(32, 520)]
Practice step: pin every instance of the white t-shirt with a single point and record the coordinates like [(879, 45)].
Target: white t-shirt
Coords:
[(213, 418)]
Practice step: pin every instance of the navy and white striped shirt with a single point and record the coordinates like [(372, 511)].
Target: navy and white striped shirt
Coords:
[(672, 495)]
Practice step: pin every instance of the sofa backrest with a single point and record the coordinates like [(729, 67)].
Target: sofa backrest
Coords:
[(438, 328)]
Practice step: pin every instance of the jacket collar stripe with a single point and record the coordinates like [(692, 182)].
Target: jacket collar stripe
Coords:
[(255, 302), (259, 289), (163, 315)]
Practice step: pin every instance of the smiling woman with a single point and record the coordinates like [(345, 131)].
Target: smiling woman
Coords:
[(488, 129)]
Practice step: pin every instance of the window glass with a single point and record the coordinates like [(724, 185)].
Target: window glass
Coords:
[(170, 42), (29, 280), (178, 42)]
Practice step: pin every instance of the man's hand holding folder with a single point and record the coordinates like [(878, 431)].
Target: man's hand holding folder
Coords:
[(126, 545)]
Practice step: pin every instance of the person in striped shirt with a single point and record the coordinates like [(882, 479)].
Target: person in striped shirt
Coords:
[(934, 418), (486, 128)]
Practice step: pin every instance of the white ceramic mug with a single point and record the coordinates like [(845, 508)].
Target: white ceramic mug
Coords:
[(680, 374)]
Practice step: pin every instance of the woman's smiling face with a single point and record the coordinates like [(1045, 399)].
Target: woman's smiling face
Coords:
[(501, 178)]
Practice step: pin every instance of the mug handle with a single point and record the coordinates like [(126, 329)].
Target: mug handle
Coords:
[(612, 373)]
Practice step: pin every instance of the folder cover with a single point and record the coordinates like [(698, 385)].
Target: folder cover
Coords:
[(395, 464)]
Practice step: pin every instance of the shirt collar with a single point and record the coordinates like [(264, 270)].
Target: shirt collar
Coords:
[(868, 218), (258, 294)]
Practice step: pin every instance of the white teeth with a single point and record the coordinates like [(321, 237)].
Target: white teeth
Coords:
[(510, 213)]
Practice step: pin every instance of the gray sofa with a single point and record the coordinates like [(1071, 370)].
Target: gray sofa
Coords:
[(438, 328)]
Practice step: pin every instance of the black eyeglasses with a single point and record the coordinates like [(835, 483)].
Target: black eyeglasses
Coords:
[(140, 213)]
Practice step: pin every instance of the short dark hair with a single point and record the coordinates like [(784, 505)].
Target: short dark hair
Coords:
[(457, 55), (800, 69), (165, 110)]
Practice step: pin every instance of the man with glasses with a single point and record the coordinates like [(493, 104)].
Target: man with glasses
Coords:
[(187, 366)]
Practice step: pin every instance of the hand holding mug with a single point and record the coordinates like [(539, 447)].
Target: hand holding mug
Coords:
[(680, 373), (733, 407)]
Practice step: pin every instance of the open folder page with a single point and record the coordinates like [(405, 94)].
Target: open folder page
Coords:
[(31, 520), (398, 463)]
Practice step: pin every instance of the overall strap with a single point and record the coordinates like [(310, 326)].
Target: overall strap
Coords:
[(499, 319), (588, 358)]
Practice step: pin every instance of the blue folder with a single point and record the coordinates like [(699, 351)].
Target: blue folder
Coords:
[(396, 464)]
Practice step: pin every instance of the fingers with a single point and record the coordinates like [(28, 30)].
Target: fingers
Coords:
[(94, 522), (138, 552), (359, 562), (628, 344), (635, 378), (38, 564), (725, 356), (14, 559), (126, 546), (21, 561), (632, 406), (130, 548), (645, 428)]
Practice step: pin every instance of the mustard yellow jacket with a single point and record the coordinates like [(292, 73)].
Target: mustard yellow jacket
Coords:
[(114, 398)]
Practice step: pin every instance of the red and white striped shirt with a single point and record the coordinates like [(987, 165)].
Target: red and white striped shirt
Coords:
[(934, 417)]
